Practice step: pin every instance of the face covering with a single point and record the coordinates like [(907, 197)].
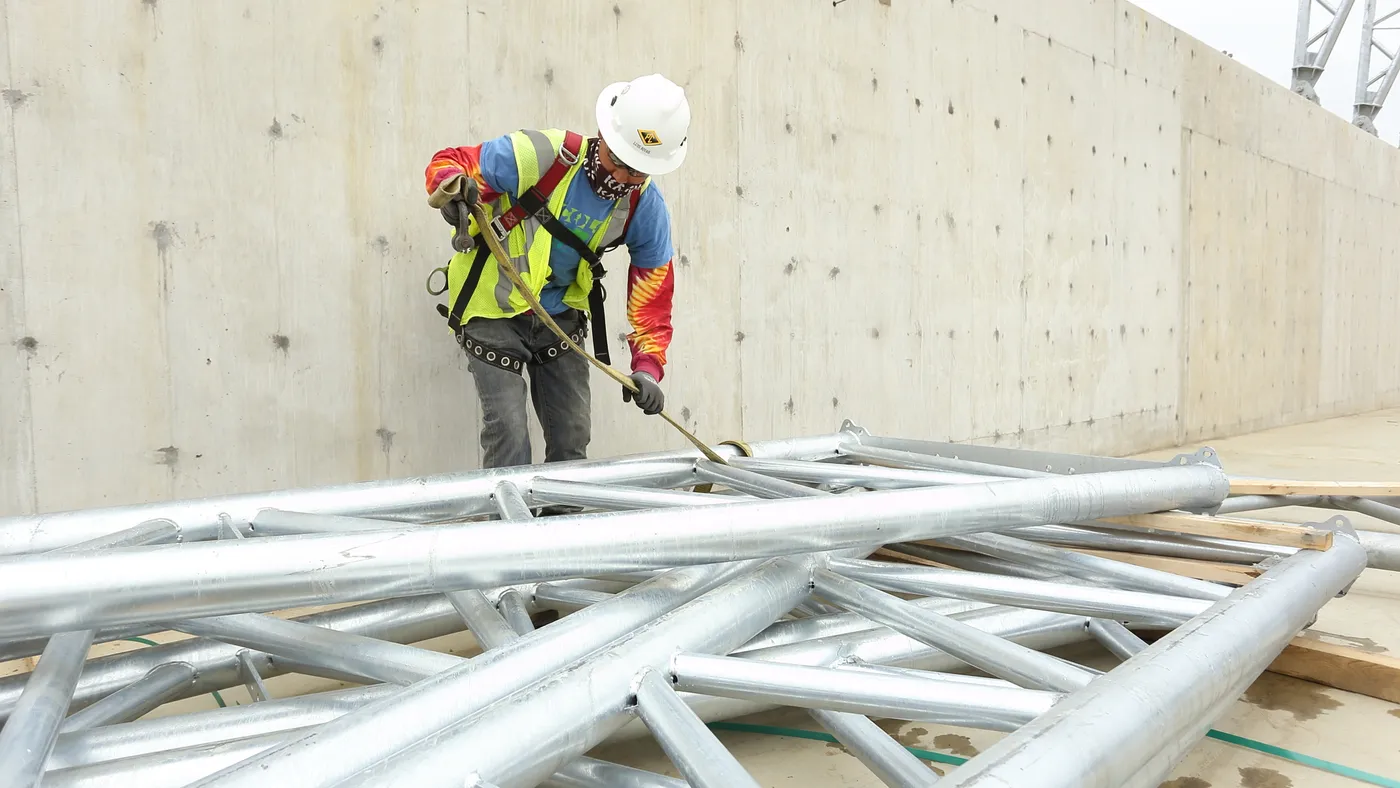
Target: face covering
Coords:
[(604, 184)]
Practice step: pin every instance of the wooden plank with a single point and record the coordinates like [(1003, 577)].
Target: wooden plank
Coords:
[(1239, 529), (1343, 667), (1234, 574), (1284, 487)]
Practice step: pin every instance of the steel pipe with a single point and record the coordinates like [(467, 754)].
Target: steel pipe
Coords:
[(617, 497), (975, 562), (512, 607), (1089, 567), (755, 484), (1115, 637), (150, 532), (300, 712), (1254, 503), (510, 504), (804, 629), (400, 620), (1198, 548), (282, 571), (356, 655), (869, 477), (557, 597), (374, 732), (588, 773), (29, 735), (579, 708), (167, 769), (907, 697), (1132, 606), (1103, 735), (1004, 462), (693, 748), (278, 522), (130, 702), (1382, 550), (881, 754), (485, 622), (411, 500), (997, 656), (1366, 506), (895, 458), (211, 726)]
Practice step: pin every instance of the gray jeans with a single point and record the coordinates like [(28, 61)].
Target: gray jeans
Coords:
[(558, 389)]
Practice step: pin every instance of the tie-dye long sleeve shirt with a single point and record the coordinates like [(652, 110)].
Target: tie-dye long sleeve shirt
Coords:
[(650, 278)]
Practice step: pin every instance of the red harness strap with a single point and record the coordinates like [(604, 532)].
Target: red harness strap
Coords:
[(567, 157)]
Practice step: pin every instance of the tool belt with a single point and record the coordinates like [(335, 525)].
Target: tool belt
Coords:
[(515, 363)]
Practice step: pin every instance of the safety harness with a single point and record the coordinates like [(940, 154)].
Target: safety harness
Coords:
[(535, 202)]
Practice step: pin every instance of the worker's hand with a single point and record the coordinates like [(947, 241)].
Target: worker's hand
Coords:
[(648, 395), (457, 209)]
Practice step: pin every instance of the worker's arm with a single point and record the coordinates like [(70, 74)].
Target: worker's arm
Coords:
[(491, 164), (650, 284)]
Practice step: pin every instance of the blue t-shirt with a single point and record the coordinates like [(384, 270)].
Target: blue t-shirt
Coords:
[(648, 237)]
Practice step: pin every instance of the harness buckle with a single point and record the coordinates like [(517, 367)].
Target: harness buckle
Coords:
[(498, 229), (570, 159)]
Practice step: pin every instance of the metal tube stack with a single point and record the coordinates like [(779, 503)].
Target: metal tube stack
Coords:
[(687, 591)]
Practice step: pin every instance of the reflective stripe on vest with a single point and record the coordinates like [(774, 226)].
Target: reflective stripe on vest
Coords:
[(535, 151)]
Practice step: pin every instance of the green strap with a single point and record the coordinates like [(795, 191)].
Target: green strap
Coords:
[(1306, 760), (953, 760)]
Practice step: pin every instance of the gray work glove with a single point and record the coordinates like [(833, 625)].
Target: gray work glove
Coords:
[(459, 208), (648, 395)]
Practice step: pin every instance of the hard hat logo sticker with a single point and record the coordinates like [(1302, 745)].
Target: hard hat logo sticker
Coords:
[(649, 137)]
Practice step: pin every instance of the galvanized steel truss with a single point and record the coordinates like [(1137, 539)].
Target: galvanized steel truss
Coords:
[(677, 608), (1311, 52)]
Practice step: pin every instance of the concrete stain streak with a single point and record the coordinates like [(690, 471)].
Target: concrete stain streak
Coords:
[(15, 98), (895, 728), (1253, 777), (1185, 782), (957, 745), (1303, 699)]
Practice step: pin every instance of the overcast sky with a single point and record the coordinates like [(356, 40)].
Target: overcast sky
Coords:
[(1259, 33)]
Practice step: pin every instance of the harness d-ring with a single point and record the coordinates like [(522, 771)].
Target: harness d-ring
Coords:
[(429, 284)]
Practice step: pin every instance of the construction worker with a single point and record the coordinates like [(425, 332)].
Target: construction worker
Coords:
[(558, 200)]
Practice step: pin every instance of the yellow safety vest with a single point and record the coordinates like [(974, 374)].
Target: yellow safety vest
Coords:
[(529, 243)]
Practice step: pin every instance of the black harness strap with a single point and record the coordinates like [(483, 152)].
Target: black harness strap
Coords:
[(534, 204), (464, 296)]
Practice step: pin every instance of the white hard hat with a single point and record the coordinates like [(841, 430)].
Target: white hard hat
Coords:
[(645, 123)]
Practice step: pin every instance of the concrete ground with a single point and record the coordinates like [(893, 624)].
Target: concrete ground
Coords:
[(1334, 725)]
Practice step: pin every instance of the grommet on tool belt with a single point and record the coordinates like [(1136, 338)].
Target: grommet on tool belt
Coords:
[(496, 358), (559, 349)]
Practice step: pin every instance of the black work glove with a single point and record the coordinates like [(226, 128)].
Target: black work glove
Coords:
[(648, 395), (459, 208)]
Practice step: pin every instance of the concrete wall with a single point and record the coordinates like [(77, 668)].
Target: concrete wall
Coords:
[(1040, 223)]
